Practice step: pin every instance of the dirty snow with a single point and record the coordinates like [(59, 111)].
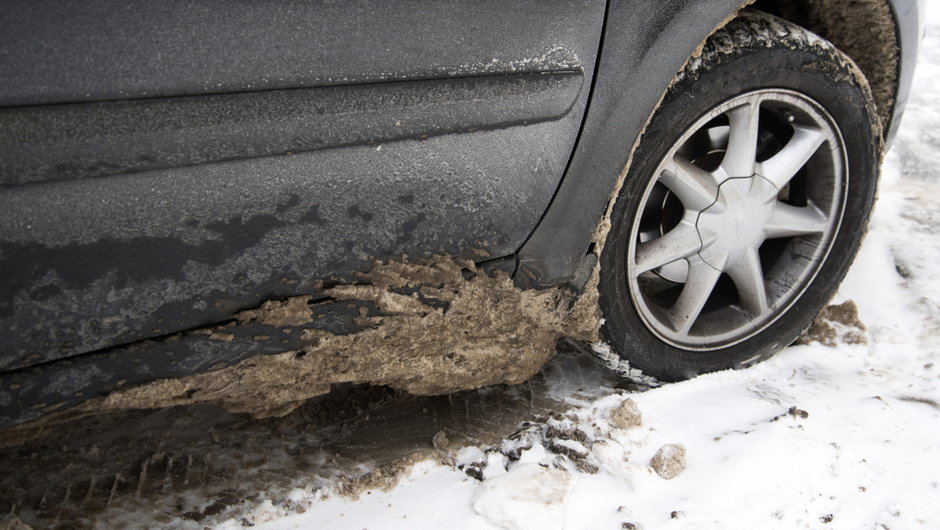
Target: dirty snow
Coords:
[(845, 436)]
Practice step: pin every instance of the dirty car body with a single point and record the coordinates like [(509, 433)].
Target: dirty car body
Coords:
[(186, 186)]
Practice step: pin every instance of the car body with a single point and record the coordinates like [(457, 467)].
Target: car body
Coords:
[(167, 167)]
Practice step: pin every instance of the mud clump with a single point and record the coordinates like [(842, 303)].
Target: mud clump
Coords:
[(797, 412), (626, 416), (669, 461), (575, 452), (291, 312), (440, 326), (862, 29), (382, 478), (836, 324)]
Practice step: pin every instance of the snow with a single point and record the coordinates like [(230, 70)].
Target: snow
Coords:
[(425, 498), (846, 436), (528, 496)]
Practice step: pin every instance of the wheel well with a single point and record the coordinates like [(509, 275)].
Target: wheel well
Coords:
[(865, 30)]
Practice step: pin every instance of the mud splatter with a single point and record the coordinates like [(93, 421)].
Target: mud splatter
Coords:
[(291, 312), (442, 325), (836, 324), (382, 478), (862, 29)]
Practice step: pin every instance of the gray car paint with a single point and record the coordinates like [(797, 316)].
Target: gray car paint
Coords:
[(268, 215), (127, 219)]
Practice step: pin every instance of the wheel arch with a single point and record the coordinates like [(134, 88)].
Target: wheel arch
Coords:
[(881, 36), (645, 44)]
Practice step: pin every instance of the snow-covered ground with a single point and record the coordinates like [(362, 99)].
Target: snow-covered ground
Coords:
[(844, 437)]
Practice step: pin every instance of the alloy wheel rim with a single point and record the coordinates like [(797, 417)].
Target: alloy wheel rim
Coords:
[(740, 215)]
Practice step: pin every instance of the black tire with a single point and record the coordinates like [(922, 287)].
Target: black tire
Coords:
[(751, 53)]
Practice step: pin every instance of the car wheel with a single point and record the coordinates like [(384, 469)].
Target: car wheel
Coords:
[(744, 204)]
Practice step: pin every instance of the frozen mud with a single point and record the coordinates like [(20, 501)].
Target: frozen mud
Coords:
[(669, 461), (458, 329), (435, 326), (864, 30), (836, 324)]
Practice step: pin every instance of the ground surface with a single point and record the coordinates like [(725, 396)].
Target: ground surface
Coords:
[(845, 435)]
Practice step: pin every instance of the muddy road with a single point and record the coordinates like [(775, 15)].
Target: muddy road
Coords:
[(191, 466)]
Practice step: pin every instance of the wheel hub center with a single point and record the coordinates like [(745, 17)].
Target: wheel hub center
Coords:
[(736, 220)]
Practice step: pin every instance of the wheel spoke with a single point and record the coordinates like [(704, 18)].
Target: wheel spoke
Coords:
[(790, 221), (695, 187), (748, 277), (742, 140), (680, 242), (752, 177), (697, 289), (782, 167)]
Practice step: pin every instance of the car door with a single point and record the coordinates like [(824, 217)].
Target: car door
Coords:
[(164, 165)]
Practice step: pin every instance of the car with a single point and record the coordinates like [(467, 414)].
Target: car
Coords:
[(245, 203)]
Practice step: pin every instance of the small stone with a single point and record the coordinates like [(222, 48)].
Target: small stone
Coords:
[(669, 461), (626, 416), (630, 526)]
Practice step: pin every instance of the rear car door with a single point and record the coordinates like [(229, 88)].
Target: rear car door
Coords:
[(164, 165)]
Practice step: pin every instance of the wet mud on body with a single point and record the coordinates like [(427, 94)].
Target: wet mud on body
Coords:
[(195, 465)]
